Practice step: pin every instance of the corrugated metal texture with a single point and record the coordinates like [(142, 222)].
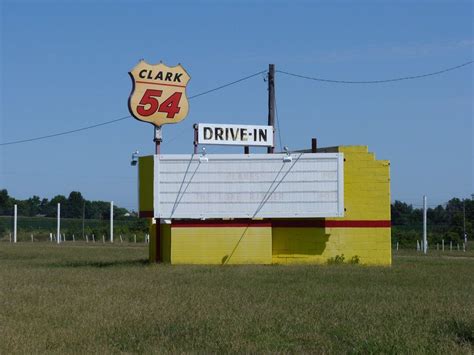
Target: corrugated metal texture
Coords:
[(249, 186)]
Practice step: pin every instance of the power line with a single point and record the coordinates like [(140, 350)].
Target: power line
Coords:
[(375, 81), (226, 85), (125, 117), (65, 132)]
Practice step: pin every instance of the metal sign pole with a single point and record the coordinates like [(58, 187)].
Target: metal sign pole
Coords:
[(158, 139), (157, 244)]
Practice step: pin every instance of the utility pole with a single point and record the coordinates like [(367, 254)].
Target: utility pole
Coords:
[(425, 241), (271, 103)]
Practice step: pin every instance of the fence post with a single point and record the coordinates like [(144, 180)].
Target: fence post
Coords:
[(135, 237), (15, 220), (112, 221), (121, 240), (397, 246), (442, 244), (73, 238), (87, 238), (59, 224), (458, 246), (425, 239), (93, 238), (451, 245), (103, 238), (32, 238), (10, 237)]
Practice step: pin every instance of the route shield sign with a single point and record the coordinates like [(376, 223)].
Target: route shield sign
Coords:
[(159, 93)]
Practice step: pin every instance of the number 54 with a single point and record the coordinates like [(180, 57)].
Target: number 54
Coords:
[(170, 106)]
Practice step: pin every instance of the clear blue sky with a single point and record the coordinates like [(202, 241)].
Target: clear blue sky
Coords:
[(64, 66)]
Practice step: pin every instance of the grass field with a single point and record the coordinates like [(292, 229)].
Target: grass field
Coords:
[(106, 298)]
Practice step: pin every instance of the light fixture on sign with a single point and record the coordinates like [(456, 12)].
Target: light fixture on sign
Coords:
[(287, 158), (134, 160), (203, 157)]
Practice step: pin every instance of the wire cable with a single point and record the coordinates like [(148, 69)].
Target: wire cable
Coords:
[(65, 132), (125, 117), (376, 81), (226, 85)]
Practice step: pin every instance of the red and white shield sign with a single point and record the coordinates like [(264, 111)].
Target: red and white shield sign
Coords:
[(159, 93)]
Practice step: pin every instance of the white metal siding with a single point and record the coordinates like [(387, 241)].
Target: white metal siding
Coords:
[(249, 186)]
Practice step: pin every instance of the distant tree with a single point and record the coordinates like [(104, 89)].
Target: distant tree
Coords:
[(6, 203), (74, 205), (53, 205)]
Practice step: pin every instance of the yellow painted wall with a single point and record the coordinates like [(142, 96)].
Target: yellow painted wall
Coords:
[(316, 245), (221, 245), (145, 178), (366, 198), (165, 243)]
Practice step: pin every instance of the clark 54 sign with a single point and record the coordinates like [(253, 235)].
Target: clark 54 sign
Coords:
[(227, 134), (159, 93)]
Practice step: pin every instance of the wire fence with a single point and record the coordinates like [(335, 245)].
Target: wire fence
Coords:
[(44, 229), (439, 236)]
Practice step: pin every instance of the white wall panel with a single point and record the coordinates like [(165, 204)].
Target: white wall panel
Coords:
[(249, 186)]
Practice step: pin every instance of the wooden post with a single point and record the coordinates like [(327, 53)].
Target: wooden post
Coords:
[(271, 102), (314, 145), (196, 138)]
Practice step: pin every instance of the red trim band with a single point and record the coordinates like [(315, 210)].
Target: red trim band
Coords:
[(146, 214), (317, 223), (322, 223), (152, 83)]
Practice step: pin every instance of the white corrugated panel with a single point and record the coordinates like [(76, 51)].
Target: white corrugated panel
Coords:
[(249, 186)]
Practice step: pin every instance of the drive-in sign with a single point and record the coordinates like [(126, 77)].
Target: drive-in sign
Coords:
[(225, 134)]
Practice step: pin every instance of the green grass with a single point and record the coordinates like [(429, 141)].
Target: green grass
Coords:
[(106, 298)]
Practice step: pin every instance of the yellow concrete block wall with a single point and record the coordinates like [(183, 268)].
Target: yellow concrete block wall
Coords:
[(221, 245), (165, 243), (364, 230)]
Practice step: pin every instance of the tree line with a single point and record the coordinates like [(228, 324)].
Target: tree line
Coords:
[(444, 222), (73, 206)]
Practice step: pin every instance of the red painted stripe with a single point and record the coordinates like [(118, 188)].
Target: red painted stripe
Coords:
[(152, 83), (321, 223), (146, 214), (317, 223)]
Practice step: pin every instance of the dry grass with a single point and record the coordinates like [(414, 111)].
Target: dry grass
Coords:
[(83, 298)]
